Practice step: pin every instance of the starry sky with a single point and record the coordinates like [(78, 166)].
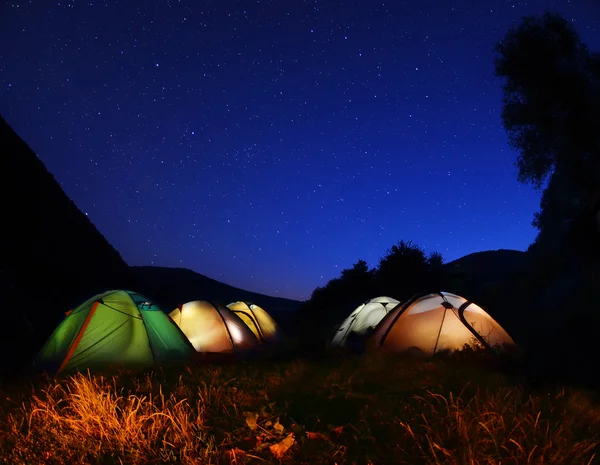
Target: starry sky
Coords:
[(270, 144)]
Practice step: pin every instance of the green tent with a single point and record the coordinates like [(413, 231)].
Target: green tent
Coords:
[(114, 328)]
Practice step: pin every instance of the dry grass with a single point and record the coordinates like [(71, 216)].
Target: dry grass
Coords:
[(501, 427), (334, 411), (87, 419)]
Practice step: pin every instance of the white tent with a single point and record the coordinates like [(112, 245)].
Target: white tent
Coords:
[(436, 322), (362, 320)]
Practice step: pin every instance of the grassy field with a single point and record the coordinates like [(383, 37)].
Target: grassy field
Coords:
[(331, 411)]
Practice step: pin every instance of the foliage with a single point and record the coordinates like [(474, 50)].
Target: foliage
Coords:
[(353, 283), (552, 116), (435, 260), (344, 411), (554, 219), (359, 271), (403, 266), (551, 98), (404, 270), (330, 303)]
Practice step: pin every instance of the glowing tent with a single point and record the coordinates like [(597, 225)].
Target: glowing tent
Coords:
[(436, 322), (258, 320), (362, 320), (114, 328), (213, 328)]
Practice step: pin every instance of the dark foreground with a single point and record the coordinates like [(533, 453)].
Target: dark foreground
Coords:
[(333, 411)]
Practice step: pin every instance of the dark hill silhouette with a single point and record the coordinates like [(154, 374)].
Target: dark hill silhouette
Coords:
[(170, 287), (52, 258), (51, 253), (44, 229), (494, 264), (545, 300), (493, 279)]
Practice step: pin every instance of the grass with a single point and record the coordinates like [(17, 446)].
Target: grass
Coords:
[(333, 411)]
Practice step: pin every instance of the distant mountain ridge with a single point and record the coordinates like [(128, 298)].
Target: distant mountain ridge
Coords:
[(493, 263), (506, 254), (482, 274), (172, 286)]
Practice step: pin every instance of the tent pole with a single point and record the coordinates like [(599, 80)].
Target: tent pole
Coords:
[(437, 340)]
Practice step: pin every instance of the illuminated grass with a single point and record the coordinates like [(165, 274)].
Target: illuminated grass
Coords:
[(335, 411)]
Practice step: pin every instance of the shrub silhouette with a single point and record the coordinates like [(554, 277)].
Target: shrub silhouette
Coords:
[(402, 272)]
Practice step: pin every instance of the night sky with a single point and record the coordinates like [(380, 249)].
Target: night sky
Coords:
[(270, 144)]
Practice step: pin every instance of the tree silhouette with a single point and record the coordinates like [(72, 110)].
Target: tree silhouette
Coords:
[(435, 260), (402, 271), (551, 113), (334, 301), (550, 98), (559, 205), (353, 285), (435, 263), (360, 268), (358, 279)]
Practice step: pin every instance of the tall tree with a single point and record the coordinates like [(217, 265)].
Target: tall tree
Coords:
[(551, 101)]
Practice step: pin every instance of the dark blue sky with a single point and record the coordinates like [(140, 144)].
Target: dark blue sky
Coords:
[(270, 144)]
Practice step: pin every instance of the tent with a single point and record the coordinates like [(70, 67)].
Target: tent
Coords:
[(362, 320), (434, 322), (117, 327), (258, 320), (213, 328)]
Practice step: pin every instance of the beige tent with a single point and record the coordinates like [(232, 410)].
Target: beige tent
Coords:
[(436, 322), (213, 328), (362, 320), (258, 320)]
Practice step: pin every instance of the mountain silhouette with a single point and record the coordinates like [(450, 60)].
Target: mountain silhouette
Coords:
[(170, 287), (489, 265), (52, 258), (173, 286), (493, 279), (52, 255)]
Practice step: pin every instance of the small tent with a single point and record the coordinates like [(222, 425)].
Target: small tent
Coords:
[(362, 320), (436, 322), (114, 328), (213, 328), (258, 320)]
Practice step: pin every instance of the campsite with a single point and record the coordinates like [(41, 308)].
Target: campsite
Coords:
[(121, 379), (407, 358)]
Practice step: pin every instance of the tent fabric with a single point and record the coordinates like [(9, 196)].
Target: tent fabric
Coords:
[(117, 327), (258, 320), (213, 328), (436, 322), (362, 320)]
